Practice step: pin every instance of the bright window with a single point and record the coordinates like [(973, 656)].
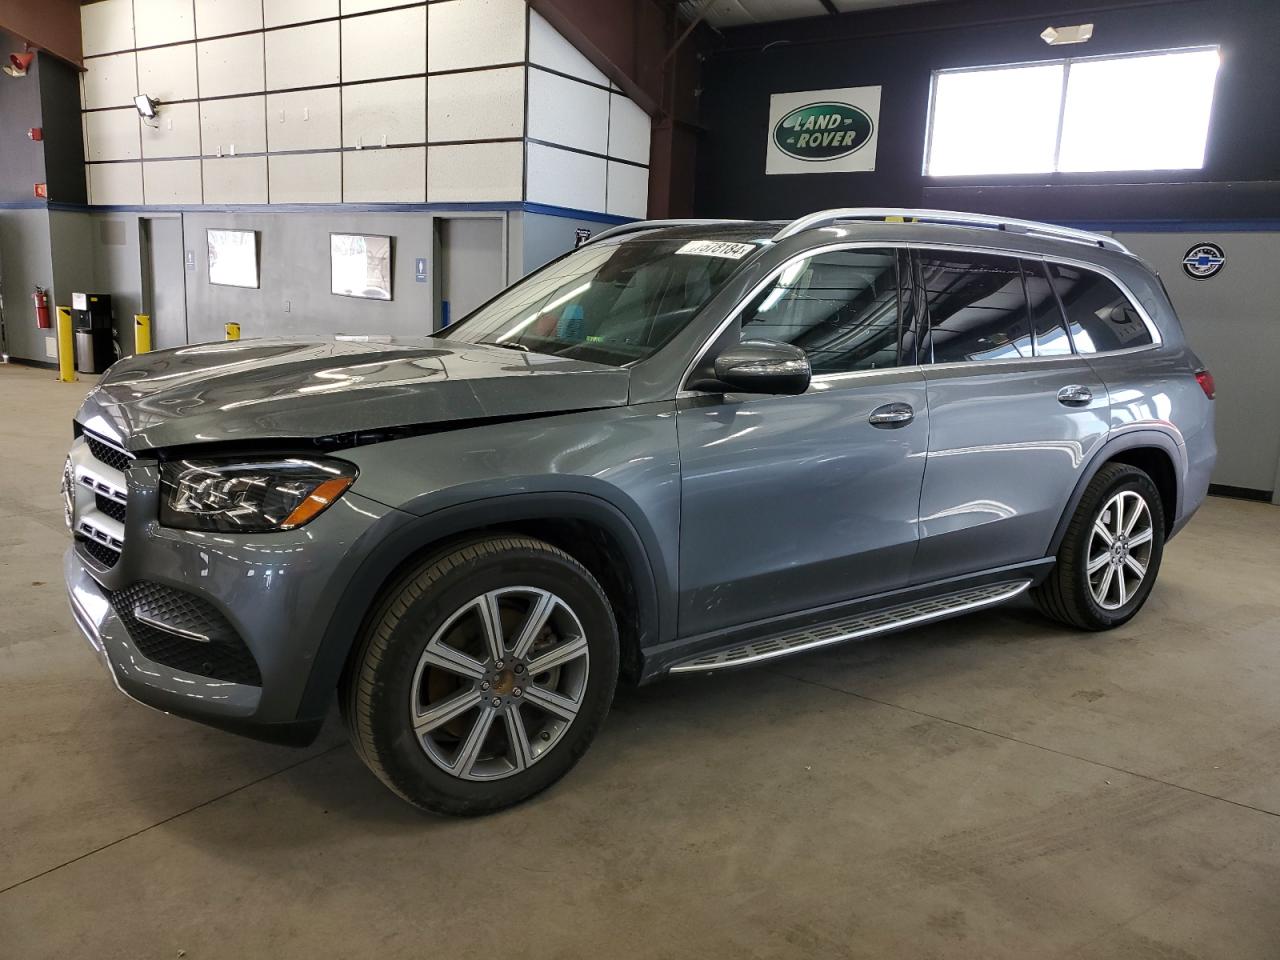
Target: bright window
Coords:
[(1137, 112)]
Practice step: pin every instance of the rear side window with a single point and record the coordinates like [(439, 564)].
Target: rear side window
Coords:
[(1099, 315), (1046, 316), (977, 307), (841, 308)]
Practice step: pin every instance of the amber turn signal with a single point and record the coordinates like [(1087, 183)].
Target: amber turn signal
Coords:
[(317, 501)]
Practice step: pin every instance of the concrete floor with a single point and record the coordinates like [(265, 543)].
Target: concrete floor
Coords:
[(989, 787)]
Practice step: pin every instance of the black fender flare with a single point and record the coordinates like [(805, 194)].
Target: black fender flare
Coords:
[(416, 533), (1117, 444)]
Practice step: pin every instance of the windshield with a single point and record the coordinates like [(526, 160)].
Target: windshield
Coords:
[(609, 302)]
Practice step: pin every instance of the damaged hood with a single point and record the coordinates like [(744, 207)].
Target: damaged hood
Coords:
[(302, 388)]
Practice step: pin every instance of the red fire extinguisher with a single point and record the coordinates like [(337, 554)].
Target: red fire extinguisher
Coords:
[(42, 308)]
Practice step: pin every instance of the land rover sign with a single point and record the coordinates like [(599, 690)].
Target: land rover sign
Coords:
[(823, 131)]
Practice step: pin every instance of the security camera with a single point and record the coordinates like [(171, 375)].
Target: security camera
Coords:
[(19, 63), (147, 107)]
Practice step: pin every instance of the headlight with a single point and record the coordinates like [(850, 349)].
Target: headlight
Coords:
[(249, 497)]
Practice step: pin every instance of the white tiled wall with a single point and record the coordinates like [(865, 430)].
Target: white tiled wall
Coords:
[(361, 101)]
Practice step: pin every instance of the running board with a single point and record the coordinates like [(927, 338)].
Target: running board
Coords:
[(852, 628)]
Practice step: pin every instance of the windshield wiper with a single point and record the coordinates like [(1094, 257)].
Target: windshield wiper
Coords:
[(506, 344)]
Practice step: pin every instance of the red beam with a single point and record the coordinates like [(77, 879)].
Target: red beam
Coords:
[(50, 25)]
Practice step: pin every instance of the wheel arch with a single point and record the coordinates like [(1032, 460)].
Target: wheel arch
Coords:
[(592, 530), (1155, 453)]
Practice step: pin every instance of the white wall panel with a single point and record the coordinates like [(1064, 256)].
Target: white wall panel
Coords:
[(171, 181), (474, 172), (235, 179), (112, 135), (306, 178), (376, 176), (565, 179), (277, 12), (548, 48), (233, 126), (106, 27), (567, 112), (115, 183), (304, 120), (395, 110), (476, 105), (475, 33), (110, 81), (385, 44), (163, 21), (168, 73), (302, 56), (217, 17), (230, 66), (363, 6), (176, 132), (629, 128), (628, 190)]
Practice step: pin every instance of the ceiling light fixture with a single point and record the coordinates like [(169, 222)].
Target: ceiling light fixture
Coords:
[(1056, 36)]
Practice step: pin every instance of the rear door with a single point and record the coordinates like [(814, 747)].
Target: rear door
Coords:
[(793, 502), (1014, 413)]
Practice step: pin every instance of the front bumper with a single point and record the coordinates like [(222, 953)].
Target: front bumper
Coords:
[(278, 591)]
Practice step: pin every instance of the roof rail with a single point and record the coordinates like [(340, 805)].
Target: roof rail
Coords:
[(1030, 227), (635, 225)]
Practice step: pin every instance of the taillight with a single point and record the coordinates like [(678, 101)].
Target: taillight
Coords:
[(1205, 379)]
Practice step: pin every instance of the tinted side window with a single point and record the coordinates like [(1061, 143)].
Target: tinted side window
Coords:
[(1046, 316), (977, 307), (841, 308), (1099, 315)]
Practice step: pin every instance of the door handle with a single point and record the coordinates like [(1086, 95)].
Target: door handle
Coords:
[(892, 415), (1075, 395)]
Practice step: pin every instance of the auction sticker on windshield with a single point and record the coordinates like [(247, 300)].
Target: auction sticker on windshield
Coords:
[(716, 248)]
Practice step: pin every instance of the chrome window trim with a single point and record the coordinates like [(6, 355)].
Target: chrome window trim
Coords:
[(1156, 339)]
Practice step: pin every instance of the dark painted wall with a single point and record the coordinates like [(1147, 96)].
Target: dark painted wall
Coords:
[(898, 49), (63, 135)]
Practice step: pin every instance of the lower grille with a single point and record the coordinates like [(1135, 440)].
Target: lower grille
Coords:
[(116, 459), (112, 508), (99, 551), (223, 656)]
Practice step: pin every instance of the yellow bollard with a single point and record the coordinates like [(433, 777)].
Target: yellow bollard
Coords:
[(233, 330), (142, 333), (66, 347)]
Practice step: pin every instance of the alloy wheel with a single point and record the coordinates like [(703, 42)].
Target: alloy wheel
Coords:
[(498, 684), (1119, 552)]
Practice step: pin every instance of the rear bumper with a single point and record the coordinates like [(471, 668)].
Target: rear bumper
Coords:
[(231, 706), (1202, 454)]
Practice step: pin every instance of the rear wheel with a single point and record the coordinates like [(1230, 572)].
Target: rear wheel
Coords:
[(484, 677), (1111, 553)]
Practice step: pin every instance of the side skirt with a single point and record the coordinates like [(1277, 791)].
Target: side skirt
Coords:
[(872, 616)]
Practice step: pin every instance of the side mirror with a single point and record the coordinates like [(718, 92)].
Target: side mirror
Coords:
[(762, 366)]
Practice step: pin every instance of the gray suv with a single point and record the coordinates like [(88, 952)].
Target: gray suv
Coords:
[(684, 446)]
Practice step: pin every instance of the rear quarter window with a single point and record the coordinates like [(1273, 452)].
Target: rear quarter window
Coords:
[(1099, 315)]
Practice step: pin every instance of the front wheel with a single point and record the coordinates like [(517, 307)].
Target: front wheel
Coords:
[(1111, 553), (484, 676)]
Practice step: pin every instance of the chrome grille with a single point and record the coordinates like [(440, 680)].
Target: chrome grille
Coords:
[(100, 498)]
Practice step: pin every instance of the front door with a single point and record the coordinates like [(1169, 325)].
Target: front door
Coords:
[(794, 502), (1014, 415)]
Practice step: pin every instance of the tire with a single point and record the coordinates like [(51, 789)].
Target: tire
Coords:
[(1077, 596), (425, 676)]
